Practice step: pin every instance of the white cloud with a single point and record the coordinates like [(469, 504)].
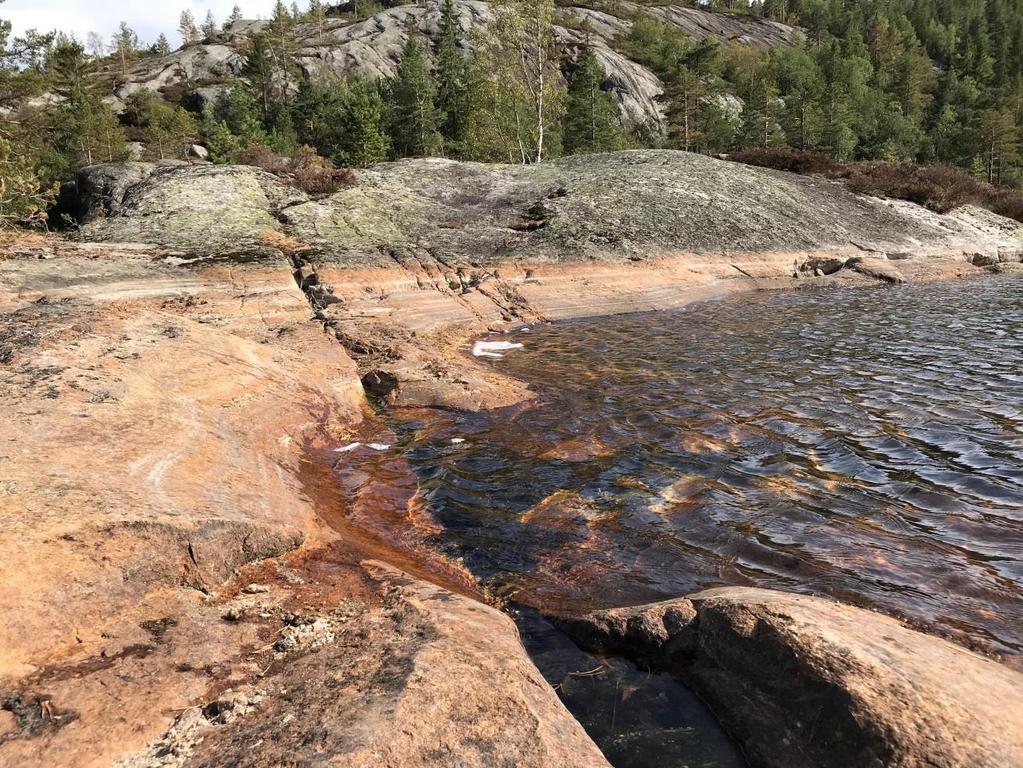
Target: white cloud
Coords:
[(147, 17)]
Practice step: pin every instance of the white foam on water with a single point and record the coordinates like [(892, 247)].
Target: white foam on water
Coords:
[(490, 348), (379, 446), (347, 448), (457, 440)]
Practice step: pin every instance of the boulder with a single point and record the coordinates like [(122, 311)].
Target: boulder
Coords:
[(100, 189), (805, 681), (198, 152), (875, 267), (204, 209)]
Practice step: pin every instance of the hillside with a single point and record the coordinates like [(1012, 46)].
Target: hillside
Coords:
[(373, 47)]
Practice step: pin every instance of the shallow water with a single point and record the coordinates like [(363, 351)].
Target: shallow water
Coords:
[(861, 443)]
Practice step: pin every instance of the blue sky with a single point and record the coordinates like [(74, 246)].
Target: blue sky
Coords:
[(147, 17)]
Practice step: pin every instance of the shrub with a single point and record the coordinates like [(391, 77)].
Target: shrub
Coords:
[(305, 170), (261, 156), (317, 175), (791, 160), (937, 187)]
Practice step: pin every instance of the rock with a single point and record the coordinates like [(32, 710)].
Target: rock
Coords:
[(198, 152), (136, 149), (804, 681), (255, 589), (100, 189), (874, 267), (825, 265), (204, 209), (985, 259)]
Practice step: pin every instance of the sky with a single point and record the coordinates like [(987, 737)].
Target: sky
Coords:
[(147, 17)]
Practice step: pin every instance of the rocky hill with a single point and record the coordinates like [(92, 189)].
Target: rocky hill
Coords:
[(372, 47)]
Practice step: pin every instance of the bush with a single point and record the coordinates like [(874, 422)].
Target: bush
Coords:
[(317, 175), (305, 170), (793, 161), (937, 187), (261, 156)]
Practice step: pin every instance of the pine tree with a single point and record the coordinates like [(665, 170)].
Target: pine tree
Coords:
[(234, 18), (126, 45), (361, 125), (450, 76), (169, 130), (162, 47), (592, 120), (412, 117), (317, 14), (187, 29), (242, 116), (217, 137), (209, 27)]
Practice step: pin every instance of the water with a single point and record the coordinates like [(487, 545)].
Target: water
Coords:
[(862, 443)]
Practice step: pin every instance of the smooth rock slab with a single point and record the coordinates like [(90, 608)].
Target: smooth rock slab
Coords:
[(804, 681)]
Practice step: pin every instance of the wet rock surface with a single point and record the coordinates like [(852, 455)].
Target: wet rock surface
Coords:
[(804, 681)]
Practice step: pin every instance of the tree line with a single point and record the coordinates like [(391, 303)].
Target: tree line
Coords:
[(932, 81)]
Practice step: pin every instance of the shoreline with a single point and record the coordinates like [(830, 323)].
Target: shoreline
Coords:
[(168, 543)]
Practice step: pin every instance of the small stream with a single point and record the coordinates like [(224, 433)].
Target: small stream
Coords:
[(861, 443)]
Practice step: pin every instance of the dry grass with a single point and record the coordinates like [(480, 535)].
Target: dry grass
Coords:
[(305, 170), (937, 187), (283, 242)]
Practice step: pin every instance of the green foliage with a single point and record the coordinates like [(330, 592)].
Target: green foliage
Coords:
[(187, 29), (412, 116), (23, 196), (342, 120), (168, 130), (517, 94), (451, 77), (592, 119)]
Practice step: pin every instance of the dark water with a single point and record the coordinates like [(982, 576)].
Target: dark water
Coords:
[(861, 443)]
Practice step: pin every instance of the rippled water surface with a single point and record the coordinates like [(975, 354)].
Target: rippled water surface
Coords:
[(861, 443)]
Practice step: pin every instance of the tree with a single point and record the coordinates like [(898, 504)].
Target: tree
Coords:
[(363, 141), (592, 120), (95, 45), (234, 18), (162, 47), (221, 144), (187, 29), (242, 116), (1000, 143), (126, 45), (450, 76), (517, 54), (412, 117), (317, 14), (209, 27), (168, 130)]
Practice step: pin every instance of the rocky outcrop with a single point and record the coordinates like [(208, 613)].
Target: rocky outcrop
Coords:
[(419, 247), (372, 48), (182, 576), (804, 681)]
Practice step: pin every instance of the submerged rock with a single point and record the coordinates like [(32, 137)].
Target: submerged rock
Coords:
[(805, 681)]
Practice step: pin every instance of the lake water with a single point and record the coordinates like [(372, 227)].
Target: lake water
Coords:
[(861, 443)]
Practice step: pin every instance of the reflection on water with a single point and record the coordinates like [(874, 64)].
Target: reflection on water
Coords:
[(861, 443)]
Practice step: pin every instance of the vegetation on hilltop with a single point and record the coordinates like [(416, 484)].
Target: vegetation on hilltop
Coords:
[(880, 81)]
